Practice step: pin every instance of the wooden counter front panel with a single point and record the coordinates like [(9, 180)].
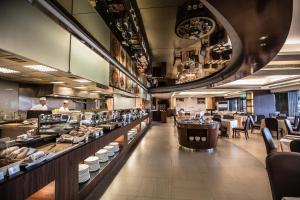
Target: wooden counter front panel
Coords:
[(207, 132)]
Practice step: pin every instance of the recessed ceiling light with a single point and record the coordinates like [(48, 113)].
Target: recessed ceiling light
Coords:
[(82, 81), (8, 71), (9, 89), (57, 82), (40, 68), (263, 44), (80, 87), (263, 37), (204, 92)]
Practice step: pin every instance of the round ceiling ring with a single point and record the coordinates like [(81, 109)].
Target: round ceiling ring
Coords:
[(193, 28)]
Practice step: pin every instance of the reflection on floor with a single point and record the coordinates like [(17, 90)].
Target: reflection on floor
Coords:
[(255, 145), (159, 170)]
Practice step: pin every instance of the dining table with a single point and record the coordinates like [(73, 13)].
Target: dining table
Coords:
[(229, 124), (286, 141), (281, 125), (241, 119)]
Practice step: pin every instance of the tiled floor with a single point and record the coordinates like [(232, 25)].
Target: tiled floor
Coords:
[(255, 145), (158, 169)]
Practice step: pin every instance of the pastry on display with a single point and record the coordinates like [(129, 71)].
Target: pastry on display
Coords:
[(110, 150), (115, 145), (102, 154), (83, 173), (93, 163), (35, 156), (8, 151)]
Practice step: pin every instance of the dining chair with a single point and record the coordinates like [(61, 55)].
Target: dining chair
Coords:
[(269, 142), (242, 129), (175, 120), (290, 128), (281, 117), (295, 146), (284, 177), (298, 127), (228, 117), (296, 123), (254, 117), (253, 124), (259, 118), (223, 129), (217, 116), (273, 125)]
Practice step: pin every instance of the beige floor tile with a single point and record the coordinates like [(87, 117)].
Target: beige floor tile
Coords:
[(159, 169)]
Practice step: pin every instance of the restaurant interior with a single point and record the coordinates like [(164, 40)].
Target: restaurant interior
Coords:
[(150, 99)]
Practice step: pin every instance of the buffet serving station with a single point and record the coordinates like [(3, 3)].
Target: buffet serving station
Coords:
[(77, 165), (197, 135)]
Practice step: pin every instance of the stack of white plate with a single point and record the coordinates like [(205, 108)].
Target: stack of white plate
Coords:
[(130, 135), (102, 154), (93, 163), (115, 145), (110, 150), (143, 125), (84, 174), (134, 130)]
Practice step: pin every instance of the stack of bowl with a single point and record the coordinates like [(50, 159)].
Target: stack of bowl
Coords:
[(110, 150), (102, 154), (115, 145), (93, 163), (143, 125), (132, 133), (83, 172)]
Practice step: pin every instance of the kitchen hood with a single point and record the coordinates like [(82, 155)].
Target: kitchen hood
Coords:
[(56, 91)]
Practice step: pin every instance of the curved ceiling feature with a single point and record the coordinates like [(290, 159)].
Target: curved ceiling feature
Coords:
[(257, 31)]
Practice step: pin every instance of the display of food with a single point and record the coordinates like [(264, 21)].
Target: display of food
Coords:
[(102, 154), (76, 136), (93, 163), (35, 156), (17, 150)]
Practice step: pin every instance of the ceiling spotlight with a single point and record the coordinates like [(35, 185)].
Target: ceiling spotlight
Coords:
[(263, 37), (80, 87), (82, 81), (57, 82), (8, 71), (263, 44), (40, 68)]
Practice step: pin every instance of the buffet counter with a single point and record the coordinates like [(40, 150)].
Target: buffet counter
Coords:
[(159, 115), (59, 176), (14, 129), (193, 134)]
